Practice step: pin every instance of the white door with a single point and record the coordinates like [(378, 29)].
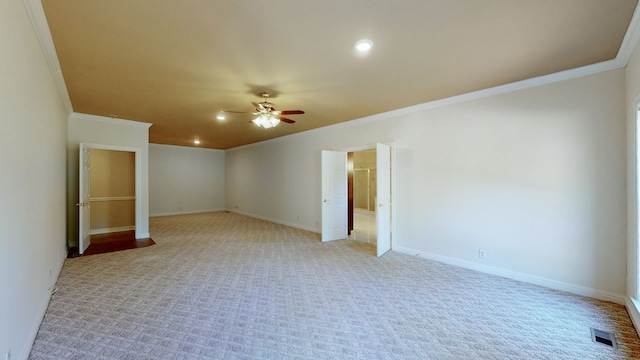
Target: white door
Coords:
[(84, 198), (383, 208), (334, 195)]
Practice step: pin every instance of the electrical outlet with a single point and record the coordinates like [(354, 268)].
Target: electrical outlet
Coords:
[(482, 254)]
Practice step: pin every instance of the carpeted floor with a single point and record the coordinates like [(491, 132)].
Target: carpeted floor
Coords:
[(224, 286)]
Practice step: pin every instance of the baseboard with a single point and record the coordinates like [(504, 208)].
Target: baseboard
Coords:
[(112, 230), (285, 223), (536, 280), (33, 332), (42, 309), (633, 308), (185, 212)]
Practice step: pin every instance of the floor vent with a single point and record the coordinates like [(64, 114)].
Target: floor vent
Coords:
[(603, 337)]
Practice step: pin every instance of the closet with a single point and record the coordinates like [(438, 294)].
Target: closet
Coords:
[(112, 189)]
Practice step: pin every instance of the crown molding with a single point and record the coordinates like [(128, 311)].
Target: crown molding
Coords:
[(630, 38), (40, 26), (620, 61), (493, 91), (497, 90), (632, 35), (184, 147), (81, 116)]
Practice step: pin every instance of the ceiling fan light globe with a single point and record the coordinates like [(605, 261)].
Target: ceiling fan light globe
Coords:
[(266, 121)]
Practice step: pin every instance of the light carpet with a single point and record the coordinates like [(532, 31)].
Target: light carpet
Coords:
[(224, 286)]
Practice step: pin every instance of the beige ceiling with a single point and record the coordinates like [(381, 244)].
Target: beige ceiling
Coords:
[(178, 63)]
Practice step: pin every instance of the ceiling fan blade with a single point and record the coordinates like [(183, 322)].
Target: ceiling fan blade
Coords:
[(291, 112), (258, 106), (286, 120)]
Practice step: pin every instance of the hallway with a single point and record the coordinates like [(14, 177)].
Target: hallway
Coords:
[(365, 227)]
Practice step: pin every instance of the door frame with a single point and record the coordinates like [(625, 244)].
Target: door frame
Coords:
[(138, 171), (393, 178)]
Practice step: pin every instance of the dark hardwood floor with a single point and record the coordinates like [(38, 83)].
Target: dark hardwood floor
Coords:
[(105, 243)]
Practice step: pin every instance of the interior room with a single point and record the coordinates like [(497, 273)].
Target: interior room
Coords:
[(513, 179)]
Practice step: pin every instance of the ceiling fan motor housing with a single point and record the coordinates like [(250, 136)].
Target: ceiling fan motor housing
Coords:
[(267, 106)]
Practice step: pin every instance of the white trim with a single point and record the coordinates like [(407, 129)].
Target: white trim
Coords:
[(359, 148), (43, 33), (633, 308), (112, 147), (285, 223), (42, 309), (629, 41), (497, 90), (531, 279), (185, 212), (632, 257), (394, 191), (139, 219), (112, 230), (630, 38), (112, 198), (184, 147), (632, 35), (110, 120), (138, 166), (290, 224), (633, 250), (394, 206)]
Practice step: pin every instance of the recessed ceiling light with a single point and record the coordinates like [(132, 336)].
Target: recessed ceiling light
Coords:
[(220, 117), (363, 45), (197, 142)]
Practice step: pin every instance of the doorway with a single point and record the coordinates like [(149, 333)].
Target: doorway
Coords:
[(363, 185), (109, 192), (337, 178), (112, 191)]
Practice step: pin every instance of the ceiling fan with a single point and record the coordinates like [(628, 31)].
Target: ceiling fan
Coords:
[(267, 115)]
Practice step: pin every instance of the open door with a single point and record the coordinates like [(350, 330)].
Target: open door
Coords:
[(334, 195), (84, 198), (383, 206)]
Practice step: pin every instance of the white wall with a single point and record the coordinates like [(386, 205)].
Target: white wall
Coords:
[(185, 180), (32, 182), (535, 176), (100, 130)]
